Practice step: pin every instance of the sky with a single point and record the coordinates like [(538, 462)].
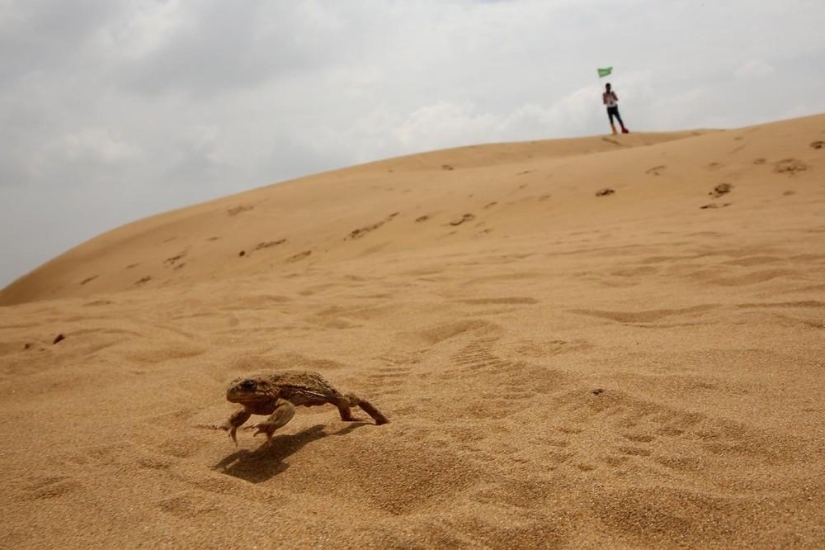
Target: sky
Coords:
[(111, 111)]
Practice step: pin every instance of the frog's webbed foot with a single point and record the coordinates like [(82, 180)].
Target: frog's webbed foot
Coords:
[(284, 411), (232, 431), (234, 422)]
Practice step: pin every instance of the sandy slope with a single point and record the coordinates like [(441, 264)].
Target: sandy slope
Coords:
[(560, 369)]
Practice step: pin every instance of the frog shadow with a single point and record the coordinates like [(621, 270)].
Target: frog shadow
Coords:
[(261, 464)]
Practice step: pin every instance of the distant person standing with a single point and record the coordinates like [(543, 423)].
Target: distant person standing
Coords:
[(610, 99)]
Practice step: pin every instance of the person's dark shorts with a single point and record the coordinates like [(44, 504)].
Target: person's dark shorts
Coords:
[(613, 112)]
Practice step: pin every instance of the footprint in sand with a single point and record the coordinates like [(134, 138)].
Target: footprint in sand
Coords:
[(422, 219), (88, 280), (629, 429), (173, 259), (143, 280), (50, 487), (464, 218), (96, 303), (261, 246), (818, 144), (509, 300), (656, 170), (389, 379), (239, 210), (634, 451), (506, 378), (714, 206), (639, 438), (605, 192), (760, 161), (490, 205), (721, 189), (544, 349), (789, 166), (299, 256), (651, 316), (361, 231)]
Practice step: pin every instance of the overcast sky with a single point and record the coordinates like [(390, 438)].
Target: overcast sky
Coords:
[(112, 110)]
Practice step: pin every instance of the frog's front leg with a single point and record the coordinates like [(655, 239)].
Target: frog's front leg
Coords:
[(284, 411), (235, 421)]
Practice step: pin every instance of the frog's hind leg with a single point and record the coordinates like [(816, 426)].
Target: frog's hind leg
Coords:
[(346, 401)]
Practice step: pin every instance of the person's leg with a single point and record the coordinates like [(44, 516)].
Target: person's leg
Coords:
[(619, 117), (610, 114)]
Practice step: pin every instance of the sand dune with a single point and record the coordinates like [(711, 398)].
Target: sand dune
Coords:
[(562, 366)]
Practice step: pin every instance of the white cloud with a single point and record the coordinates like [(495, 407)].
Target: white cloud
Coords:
[(754, 69), (97, 145), (143, 29)]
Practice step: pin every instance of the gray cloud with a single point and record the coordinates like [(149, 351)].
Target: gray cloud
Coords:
[(111, 111)]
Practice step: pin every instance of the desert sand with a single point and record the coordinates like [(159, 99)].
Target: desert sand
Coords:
[(562, 366)]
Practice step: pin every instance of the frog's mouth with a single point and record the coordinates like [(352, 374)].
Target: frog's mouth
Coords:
[(245, 391), (234, 397)]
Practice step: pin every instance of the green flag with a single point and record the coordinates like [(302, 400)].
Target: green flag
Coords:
[(604, 72)]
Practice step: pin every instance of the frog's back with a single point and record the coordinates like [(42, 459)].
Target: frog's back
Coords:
[(298, 380)]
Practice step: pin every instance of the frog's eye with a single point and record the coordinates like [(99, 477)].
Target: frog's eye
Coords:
[(248, 384)]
